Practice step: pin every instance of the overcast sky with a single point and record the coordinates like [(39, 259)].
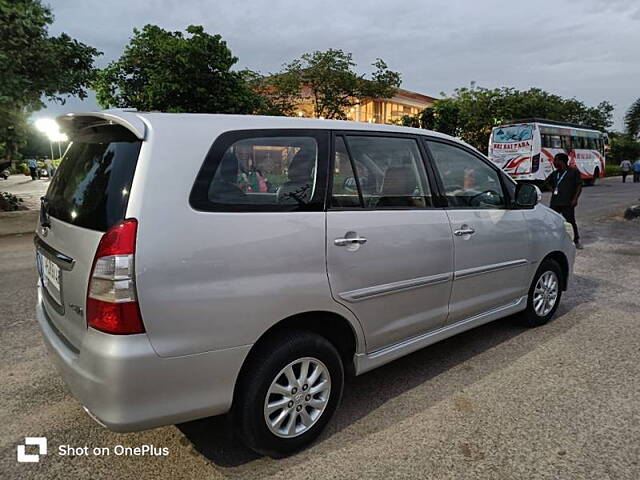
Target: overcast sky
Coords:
[(588, 49)]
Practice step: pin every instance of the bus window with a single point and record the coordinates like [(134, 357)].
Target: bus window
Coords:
[(576, 142), (555, 141), (566, 142), (545, 140)]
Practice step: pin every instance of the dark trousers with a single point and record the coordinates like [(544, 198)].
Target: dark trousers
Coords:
[(636, 177), (624, 176), (34, 173), (569, 214)]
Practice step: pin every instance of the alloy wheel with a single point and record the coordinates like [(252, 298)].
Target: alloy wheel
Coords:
[(297, 397), (545, 293)]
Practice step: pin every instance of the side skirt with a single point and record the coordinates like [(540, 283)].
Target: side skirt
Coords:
[(368, 361)]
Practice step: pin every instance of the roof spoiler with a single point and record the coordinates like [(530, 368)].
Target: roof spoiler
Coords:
[(72, 123)]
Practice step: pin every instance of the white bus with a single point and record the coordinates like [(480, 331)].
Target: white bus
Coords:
[(525, 149)]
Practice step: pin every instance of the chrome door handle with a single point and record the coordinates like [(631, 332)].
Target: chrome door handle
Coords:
[(464, 230), (343, 242)]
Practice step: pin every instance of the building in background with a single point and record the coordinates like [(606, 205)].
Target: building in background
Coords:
[(380, 110)]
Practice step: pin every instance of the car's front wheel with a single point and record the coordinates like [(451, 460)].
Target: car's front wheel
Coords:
[(288, 392), (544, 294)]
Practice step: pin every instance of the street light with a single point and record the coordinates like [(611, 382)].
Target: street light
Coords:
[(58, 137), (51, 129)]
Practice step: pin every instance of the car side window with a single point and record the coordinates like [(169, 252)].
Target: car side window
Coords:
[(243, 172), (388, 171), (344, 192), (468, 181)]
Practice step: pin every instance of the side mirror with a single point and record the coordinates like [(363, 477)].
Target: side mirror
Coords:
[(527, 195)]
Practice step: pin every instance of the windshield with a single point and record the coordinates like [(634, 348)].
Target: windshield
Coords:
[(91, 187), (514, 133)]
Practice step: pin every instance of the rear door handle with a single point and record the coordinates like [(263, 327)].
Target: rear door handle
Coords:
[(464, 230), (343, 242)]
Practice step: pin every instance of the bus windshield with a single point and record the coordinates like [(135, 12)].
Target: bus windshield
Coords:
[(513, 133)]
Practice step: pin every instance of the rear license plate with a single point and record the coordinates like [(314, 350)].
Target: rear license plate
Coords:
[(50, 276)]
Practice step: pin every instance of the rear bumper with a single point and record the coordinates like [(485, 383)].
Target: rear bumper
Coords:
[(126, 386)]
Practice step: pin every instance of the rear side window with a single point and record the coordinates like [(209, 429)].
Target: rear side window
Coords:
[(91, 187), (262, 172)]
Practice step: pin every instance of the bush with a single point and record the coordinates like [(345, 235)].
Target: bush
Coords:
[(10, 203), (24, 169), (611, 170)]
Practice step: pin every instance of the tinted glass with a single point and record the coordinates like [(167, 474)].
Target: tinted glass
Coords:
[(390, 172), (468, 181), (91, 187), (344, 192), (276, 171)]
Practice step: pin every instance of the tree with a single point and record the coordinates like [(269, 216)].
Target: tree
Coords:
[(622, 147), (171, 72), (632, 119), (36, 66), (328, 80), (471, 113)]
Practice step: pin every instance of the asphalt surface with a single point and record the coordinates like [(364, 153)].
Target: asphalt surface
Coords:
[(498, 402)]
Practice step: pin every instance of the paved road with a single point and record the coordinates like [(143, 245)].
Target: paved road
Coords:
[(29, 190), (557, 402)]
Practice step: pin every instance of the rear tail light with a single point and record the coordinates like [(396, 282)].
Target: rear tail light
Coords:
[(112, 303)]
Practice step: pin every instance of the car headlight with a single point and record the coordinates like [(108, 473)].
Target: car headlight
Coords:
[(569, 229)]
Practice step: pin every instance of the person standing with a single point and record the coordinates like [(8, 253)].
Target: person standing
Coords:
[(566, 185), (625, 168), (48, 164), (33, 168), (636, 171)]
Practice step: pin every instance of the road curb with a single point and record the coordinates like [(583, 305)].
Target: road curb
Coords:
[(23, 221)]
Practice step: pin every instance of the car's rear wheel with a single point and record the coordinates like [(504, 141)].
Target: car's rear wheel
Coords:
[(288, 392), (544, 294)]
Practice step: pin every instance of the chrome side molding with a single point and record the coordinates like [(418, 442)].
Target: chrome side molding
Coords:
[(387, 288)]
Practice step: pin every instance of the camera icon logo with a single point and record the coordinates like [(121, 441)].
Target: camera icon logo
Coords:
[(24, 457)]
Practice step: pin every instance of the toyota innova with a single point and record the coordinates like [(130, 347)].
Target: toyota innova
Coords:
[(192, 265)]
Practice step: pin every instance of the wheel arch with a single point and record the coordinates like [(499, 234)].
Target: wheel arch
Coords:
[(561, 259), (334, 327)]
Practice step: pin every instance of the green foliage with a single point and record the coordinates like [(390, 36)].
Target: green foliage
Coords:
[(34, 66), (471, 113), (10, 203), (329, 81), (21, 168), (14, 130), (171, 72), (622, 147), (611, 170), (632, 119)]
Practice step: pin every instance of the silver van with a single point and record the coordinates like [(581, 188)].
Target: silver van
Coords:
[(193, 265)]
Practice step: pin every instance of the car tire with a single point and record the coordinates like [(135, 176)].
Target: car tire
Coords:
[(544, 295), (297, 418)]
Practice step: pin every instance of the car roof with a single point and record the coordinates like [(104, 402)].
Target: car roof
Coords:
[(135, 121)]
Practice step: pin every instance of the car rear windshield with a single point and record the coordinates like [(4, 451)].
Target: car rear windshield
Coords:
[(91, 187)]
